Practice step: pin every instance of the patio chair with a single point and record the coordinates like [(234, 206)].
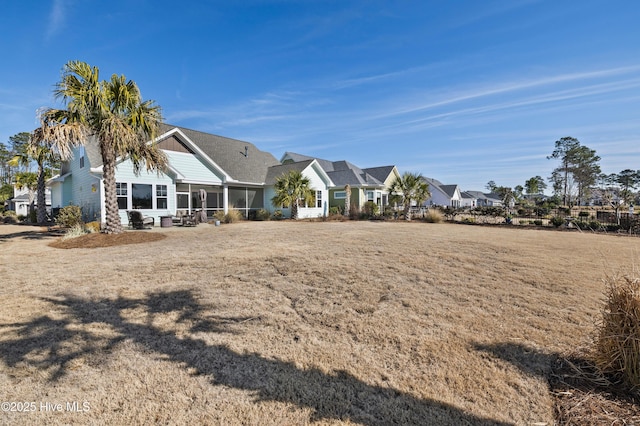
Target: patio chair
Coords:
[(138, 221)]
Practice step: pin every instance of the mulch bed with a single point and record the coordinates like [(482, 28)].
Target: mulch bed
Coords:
[(583, 397), (97, 240)]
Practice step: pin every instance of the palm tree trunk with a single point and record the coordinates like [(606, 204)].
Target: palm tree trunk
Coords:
[(294, 210), (407, 210), (42, 207), (113, 225)]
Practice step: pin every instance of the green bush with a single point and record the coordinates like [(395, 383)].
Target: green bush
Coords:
[(333, 211), (537, 222), (370, 209), (277, 215), (557, 221), (69, 216), (262, 214)]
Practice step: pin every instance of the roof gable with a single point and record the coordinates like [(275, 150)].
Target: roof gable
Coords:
[(241, 161)]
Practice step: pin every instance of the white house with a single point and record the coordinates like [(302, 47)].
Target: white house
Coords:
[(443, 195), (233, 174)]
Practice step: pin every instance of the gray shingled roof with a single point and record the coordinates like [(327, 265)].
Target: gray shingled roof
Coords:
[(345, 173), (381, 173), (278, 170), (450, 190), (229, 154)]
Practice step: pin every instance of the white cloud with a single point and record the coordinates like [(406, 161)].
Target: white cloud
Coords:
[(57, 18)]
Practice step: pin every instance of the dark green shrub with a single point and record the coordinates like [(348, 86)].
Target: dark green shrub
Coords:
[(69, 216), (594, 224), (277, 215), (262, 214), (537, 222), (613, 228), (370, 209), (557, 221)]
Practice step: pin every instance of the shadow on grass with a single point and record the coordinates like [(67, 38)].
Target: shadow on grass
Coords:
[(572, 379), (32, 234), (52, 344)]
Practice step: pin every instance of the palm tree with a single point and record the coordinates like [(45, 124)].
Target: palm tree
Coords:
[(28, 180), (114, 114), (347, 200), (292, 188), (43, 149), (412, 187)]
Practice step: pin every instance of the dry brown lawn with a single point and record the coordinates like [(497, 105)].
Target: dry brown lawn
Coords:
[(280, 323)]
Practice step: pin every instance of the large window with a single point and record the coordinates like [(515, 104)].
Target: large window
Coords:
[(340, 195), (121, 192), (161, 197), (319, 199), (182, 201), (141, 196)]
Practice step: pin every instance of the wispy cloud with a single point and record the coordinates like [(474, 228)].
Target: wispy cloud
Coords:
[(57, 19)]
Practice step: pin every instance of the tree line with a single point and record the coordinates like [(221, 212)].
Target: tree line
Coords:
[(576, 181)]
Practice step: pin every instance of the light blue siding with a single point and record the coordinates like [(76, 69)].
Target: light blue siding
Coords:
[(125, 174), (192, 169)]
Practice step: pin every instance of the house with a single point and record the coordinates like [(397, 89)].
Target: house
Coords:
[(232, 173), (443, 195), (468, 200), (319, 182), (366, 185), (22, 199), (486, 200)]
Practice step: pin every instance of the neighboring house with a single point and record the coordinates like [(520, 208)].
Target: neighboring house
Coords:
[(443, 195), (486, 200), (232, 173), (468, 200), (20, 201), (319, 183), (368, 184)]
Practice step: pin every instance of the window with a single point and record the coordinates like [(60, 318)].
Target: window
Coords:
[(370, 195), (141, 196), (182, 200), (81, 155), (161, 197), (121, 193), (319, 199), (340, 195)]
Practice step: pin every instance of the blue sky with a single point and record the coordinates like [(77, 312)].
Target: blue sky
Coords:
[(460, 91)]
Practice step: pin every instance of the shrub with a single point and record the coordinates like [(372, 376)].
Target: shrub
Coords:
[(617, 349), (370, 209), (262, 214), (10, 220), (557, 221), (277, 215), (233, 215), (75, 231), (433, 216), (69, 216), (537, 222), (92, 227), (594, 224), (333, 211)]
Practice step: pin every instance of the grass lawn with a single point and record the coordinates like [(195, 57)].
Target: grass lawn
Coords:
[(299, 322)]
